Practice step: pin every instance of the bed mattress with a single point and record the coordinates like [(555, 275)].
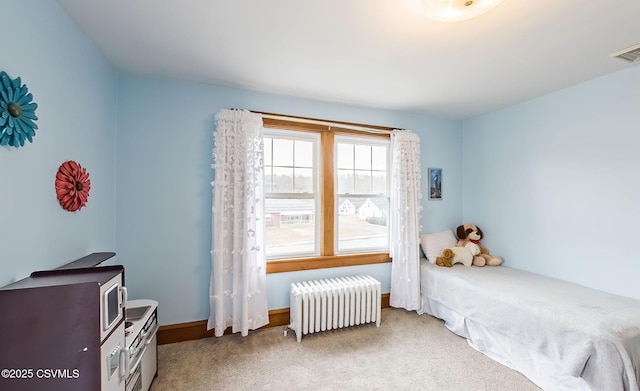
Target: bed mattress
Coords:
[(559, 334)]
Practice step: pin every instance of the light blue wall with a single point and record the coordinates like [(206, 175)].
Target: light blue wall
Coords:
[(76, 91), (164, 196), (554, 182), (162, 222)]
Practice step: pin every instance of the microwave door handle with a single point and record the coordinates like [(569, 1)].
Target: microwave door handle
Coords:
[(125, 296)]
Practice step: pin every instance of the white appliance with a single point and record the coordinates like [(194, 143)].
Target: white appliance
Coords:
[(113, 296), (141, 359)]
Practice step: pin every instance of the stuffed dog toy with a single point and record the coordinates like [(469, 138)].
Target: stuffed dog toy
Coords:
[(468, 251)]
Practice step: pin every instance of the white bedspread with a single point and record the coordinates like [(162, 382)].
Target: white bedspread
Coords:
[(588, 333)]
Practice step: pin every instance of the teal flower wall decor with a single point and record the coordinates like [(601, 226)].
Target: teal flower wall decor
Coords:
[(17, 112)]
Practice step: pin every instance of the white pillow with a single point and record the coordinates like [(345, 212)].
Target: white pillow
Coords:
[(433, 244)]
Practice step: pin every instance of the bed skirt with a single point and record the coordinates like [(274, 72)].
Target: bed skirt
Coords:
[(542, 371), (560, 335)]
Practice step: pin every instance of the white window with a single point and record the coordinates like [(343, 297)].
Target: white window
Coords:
[(327, 195), (291, 193), (362, 194)]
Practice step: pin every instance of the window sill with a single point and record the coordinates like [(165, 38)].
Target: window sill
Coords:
[(323, 262)]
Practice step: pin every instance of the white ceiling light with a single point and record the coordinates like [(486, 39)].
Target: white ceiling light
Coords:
[(457, 10)]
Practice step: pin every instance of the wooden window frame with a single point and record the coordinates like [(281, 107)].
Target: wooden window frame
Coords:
[(328, 130)]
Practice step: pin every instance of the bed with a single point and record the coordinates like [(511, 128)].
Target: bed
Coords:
[(561, 335)]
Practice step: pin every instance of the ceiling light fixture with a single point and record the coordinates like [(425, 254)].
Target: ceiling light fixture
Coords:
[(457, 10)]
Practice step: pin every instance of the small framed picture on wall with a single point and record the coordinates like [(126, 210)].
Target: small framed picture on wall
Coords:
[(435, 183)]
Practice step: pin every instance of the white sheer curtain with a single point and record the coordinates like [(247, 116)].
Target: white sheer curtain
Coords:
[(405, 220), (237, 294)]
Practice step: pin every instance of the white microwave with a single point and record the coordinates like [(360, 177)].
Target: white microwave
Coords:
[(113, 297)]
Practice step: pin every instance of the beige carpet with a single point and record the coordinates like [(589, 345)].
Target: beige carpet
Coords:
[(407, 352)]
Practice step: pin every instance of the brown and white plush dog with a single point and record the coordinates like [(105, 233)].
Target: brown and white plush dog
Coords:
[(468, 250), (470, 235)]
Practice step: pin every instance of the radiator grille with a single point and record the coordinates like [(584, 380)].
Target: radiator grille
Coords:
[(334, 303)]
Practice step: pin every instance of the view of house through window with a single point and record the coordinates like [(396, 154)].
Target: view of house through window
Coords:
[(295, 176), (363, 202)]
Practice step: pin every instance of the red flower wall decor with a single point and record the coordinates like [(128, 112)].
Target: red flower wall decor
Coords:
[(72, 186)]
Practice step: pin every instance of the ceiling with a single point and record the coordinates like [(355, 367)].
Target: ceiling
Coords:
[(376, 53)]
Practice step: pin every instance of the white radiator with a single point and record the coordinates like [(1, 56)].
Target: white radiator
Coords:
[(333, 303)]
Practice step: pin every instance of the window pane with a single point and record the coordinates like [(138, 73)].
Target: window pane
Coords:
[(363, 157), (369, 175), (345, 181), (290, 226), (282, 180), (379, 182), (268, 179), (362, 224), (363, 182), (282, 152), (267, 151), (290, 221), (303, 180), (303, 153), (379, 158), (345, 155)]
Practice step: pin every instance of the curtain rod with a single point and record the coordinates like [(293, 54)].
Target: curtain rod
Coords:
[(329, 124)]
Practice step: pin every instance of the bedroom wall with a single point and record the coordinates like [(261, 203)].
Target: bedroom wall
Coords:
[(553, 182), (76, 90), (164, 194)]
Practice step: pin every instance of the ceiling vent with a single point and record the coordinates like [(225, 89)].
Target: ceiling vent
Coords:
[(631, 54)]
